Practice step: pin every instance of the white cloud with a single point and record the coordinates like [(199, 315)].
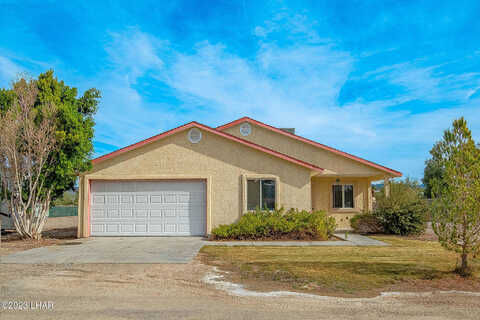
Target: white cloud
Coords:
[(8, 71), (294, 27), (428, 83), (294, 85), (134, 52)]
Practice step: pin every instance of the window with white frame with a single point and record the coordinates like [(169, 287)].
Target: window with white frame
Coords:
[(342, 196), (261, 194)]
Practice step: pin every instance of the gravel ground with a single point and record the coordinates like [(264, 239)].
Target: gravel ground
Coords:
[(135, 291)]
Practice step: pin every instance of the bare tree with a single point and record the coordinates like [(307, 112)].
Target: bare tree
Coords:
[(27, 140)]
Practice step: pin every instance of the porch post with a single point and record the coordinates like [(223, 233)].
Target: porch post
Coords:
[(369, 196), (386, 185)]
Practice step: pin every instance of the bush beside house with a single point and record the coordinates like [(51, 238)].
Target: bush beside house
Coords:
[(278, 224), (366, 223), (403, 213)]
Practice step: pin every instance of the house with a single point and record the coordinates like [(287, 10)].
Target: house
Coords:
[(190, 179)]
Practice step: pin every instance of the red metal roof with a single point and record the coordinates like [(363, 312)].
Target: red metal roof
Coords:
[(211, 130), (311, 142)]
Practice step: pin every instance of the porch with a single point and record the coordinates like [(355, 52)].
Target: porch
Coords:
[(344, 196)]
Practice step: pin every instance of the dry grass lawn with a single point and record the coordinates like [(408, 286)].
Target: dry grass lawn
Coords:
[(407, 265)]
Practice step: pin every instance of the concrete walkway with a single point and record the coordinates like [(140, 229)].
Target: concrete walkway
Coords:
[(113, 250), (349, 240)]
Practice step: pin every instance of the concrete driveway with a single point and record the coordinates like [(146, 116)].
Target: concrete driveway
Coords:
[(113, 250)]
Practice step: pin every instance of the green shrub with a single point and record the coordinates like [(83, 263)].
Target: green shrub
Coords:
[(365, 223), (402, 218), (278, 224), (404, 211)]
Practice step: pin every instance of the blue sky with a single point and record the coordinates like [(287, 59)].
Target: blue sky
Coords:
[(379, 79)]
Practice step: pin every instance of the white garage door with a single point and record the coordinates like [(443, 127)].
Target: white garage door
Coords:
[(147, 208)]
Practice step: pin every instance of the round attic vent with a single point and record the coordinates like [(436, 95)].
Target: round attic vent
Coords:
[(245, 129), (194, 135)]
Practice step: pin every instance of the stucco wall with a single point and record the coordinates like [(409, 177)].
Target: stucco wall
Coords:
[(221, 162), (322, 198), (336, 164)]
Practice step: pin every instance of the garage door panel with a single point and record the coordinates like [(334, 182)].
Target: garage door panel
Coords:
[(127, 228), (141, 199), (170, 228), (147, 208), (170, 198), (126, 212), (126, 199), (141, 228), (112, 228), (156, 228), (113, 213), (183, 212), (98, 212), (98, 228), (141, 213), (183, 198), (113, 199), (155, 213), (183, 227), (156, 199), (168, 212), (99, 199)]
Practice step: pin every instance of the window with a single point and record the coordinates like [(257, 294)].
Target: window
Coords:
[(260, 194), (342, 196)]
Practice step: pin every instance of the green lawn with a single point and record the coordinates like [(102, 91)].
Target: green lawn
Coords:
[(407, 264)]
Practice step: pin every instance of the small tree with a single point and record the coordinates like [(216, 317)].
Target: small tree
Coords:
[(68, 149), (456, 206), (433, 170), (27, 140)]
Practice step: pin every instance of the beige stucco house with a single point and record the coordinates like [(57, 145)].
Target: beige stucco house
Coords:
[(192, 178)]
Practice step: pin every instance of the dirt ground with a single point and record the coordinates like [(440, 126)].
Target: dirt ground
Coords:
[(178, 291), (428, 235), (56, 231)]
